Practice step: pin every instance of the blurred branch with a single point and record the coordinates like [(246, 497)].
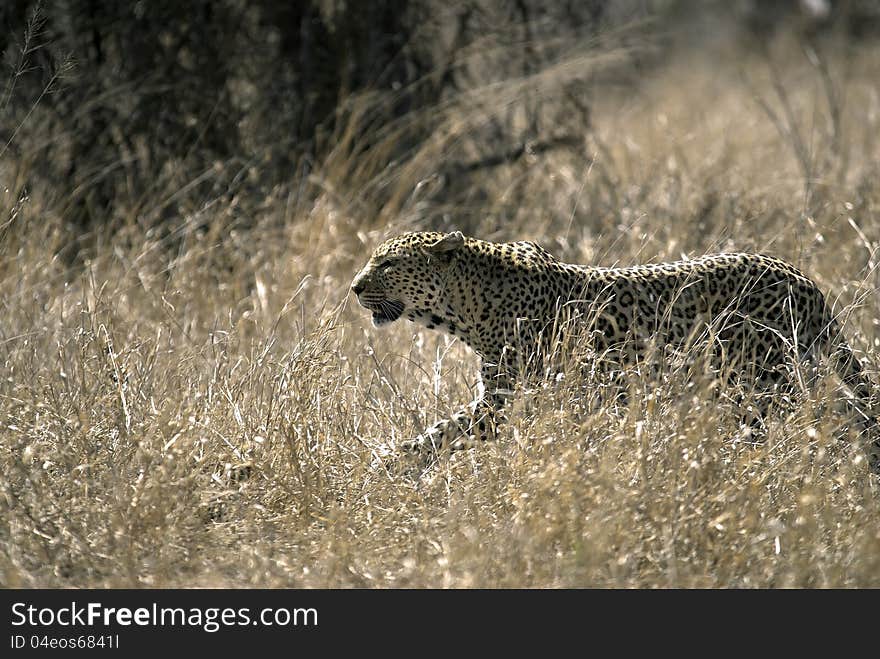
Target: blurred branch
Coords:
[(531, 148)]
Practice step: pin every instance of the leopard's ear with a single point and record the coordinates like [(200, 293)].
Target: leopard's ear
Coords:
[(448, 243)]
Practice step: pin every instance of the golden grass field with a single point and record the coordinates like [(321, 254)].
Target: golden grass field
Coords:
[(204, 406)]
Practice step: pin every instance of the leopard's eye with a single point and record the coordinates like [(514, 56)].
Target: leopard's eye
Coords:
[(387, 263)]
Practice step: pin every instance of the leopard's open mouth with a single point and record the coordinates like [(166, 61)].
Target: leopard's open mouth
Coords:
[(385, 311)]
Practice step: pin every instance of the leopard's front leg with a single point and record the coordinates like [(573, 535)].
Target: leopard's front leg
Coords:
[(470, 426)]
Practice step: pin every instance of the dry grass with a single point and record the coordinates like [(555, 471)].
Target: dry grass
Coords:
[(137, 384)]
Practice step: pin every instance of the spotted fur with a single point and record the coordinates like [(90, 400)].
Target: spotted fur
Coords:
[(505, 300)]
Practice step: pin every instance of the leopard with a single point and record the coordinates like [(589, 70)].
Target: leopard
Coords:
[(506, 301)]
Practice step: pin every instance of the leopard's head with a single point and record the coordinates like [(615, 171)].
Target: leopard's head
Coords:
[(406, 276)]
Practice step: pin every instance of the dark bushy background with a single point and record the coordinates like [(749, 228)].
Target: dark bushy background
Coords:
[(109, 103)]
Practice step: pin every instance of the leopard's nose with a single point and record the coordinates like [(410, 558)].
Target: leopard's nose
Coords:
[(357, 287)]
